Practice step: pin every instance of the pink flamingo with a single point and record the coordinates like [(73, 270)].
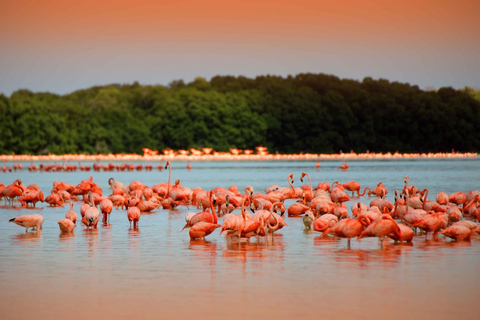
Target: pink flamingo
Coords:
[(32, 195), (349, 228), (92, 214), (457, 232), (432, 222), (71, 214), (234, 224), (406, 234), (13, 191), (324, 222), (308, 194), (106, 206), (205, 215), (382, 228), (29, 221), (133, 214), (297, 209), (54, 200), (202, 229), (66, 225), (344, 166)]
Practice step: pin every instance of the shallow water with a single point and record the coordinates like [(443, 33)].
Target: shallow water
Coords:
[(157, 272)]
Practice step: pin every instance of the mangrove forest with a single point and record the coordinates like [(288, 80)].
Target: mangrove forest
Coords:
[(306, 113)]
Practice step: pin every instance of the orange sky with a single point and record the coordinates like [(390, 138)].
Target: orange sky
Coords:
[(61, 46)]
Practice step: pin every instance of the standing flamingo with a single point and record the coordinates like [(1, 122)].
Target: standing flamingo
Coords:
[(308, 194), (382, 228), (133, 214), (344, 166), (32, 195), (106, 206), (205, 215), (202, 229), (13, 191), (234, 224), (349, 228), (457, 232), (71, 214), (29, 221), (432, 222), (66, 225), (92, 214), (324, 222)]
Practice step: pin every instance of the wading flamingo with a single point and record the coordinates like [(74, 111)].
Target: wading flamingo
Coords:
[(205, 215), (71, 214), (382, 228), (106, 206), (344, 166), (432, 222), (349, 228), (66, 225), (202, 229), (92, 214), (457, 232), (13, 191), (133, 214), (29, 221)]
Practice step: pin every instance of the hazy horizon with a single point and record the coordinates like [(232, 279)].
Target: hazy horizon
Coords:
[(61, 47)]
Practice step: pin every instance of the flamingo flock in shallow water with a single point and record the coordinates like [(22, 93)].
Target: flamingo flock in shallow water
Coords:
[(250, 214)]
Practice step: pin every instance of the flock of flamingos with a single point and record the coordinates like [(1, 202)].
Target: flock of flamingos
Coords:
[(261, 214)]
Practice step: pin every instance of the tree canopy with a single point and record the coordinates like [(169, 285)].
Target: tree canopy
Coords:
[(314, 113)]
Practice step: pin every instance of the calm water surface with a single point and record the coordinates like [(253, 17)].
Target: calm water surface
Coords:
[(157, 272)]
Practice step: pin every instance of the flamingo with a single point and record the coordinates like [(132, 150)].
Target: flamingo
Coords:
[(406, 234), (349, 228), (457, 232), (297, 209), (54, 200), (344, 166), (276, 221), (92, 214), (133, 214), (432, 222), (458, 198), (338, 195), (475, 227), (324, 222), (234, 224), (202, 229), (106, 206), (454, 214), (32, 195), (352, 186), (442, 198), (382, 228), (71, 214), (205, 215), (13, 190), (29, 221), (379, 191), (66, 225), (308, 194), (117, 185)]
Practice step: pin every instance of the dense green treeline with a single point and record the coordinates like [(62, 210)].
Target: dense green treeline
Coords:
[(313, 113)]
